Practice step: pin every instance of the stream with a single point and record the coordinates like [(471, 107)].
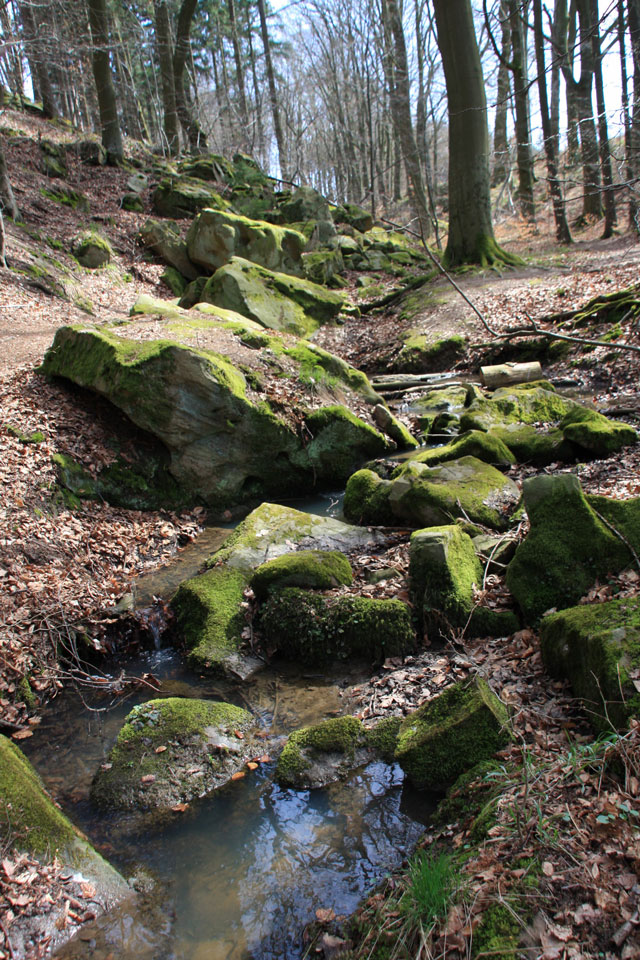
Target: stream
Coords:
[(239, 874)]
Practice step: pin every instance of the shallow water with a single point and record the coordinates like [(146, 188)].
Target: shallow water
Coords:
[(240, 873)]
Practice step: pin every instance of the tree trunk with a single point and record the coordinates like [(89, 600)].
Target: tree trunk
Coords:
[(633, 12), (501, 162), (164, 49), (7, 200), (592, 199), (98, 24), (471, 238), (401, 109), (563, 234), (37, 61), (273, 94), (524, 159), (193, 132), (244, 113), (603, 133)]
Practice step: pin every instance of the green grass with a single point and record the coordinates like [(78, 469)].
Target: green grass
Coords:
[(432, 882)]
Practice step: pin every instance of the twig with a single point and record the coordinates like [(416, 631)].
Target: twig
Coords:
[(619, 535)]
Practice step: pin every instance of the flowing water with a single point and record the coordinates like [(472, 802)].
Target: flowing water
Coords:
[(238, 874)]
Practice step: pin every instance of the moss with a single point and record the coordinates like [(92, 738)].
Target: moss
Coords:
[(65, 195), (209, 616), (217, 236), (366, 499), (597, 648), (451, 733), (183, 197), (183, 727), (443, 570), (474, 443), (471, 798), (26, 694), (27, 814), (316, 569), (339, 442), (36, 437), (529, 444), (482, 250), (174, 280), (497, 934), (74, 477), (338, 735), (307, 627), (383, 738), (567, 548), (319, 367)]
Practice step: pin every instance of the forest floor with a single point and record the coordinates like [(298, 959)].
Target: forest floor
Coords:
[(567, 813)]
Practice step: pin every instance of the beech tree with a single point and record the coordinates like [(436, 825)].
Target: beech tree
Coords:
[(111, 137), (471, 238)]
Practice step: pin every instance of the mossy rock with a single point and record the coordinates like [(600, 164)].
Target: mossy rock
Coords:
[(314, 569), (366, 499), (473, 443), (444, 570), (588, 431), (53, 159), (215, 236), (393, 428), (211, 167), (433, 402), (433, 496), (339, 442), (174, 280), (223, 448), (272, 530), (451, 733), (92, 250), (205, 743), (90, 152), (353, 215), (420, 353), (306, 627), (64, 194), (319, 755), (383, 738), (35, 824), (597, 648), (304, 204), (275, 300), (322, 266), (164, 238), (248, 172), (534, 445), (568, 546), (184, 197), (209, 617), (132, 202)]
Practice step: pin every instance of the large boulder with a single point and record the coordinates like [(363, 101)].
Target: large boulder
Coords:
[(275, 300), (273, 544), (597, 648), (171, 751), (163, 237), (473, 443), (183, 197), (572, 542), (215, 236), (451, 733), (314, 569), (424, 496), (354, 216), (34, 824), (92, 250), (444, 573), (225, 445)]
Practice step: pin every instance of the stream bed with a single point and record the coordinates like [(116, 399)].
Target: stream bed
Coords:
[(239, 874)]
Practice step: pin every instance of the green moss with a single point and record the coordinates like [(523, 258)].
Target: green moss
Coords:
[(92, 250), (471, 798), (27, 815), (567, 548), (497, 934), (26, 694), (482, 250), (337, 735), (307, 627), (339, 442), (443, 570), (597, 648), (319, 367), (529, 444), (174, 280), (182, 197), (36, 437), (474, 443), (209, 616), (366, 499), (65, 195), (451, 733), (316, 569), (383, 738)]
